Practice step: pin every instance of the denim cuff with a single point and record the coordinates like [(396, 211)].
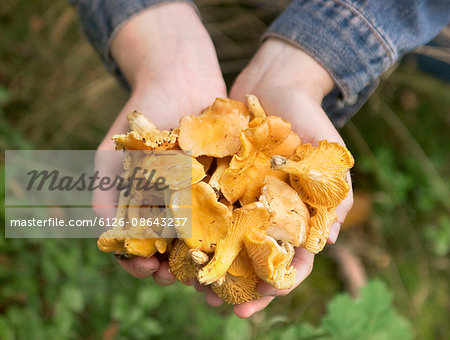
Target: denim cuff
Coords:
[(340, 38), (102, 19)]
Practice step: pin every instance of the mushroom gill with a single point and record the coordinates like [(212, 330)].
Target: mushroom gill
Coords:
[(144, 135), (271, 261), (244, 219), (318, 174), (289, 219), (237, 289), (321, 221)]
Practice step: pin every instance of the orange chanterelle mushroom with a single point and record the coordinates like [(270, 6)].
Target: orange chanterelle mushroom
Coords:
[(144, 135), (249, 191), (244, 177), (216, 131), (318, 174)]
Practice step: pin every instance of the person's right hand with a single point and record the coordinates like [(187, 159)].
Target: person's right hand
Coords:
[(170, 62)]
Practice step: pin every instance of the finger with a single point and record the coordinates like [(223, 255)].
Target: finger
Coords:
[(334, 233), (247, 309), (189, 282), (163, 276), (341, 211), (303, 262), (212, 299), (108, 164), (140, 267), (200, 288), (266, 289)]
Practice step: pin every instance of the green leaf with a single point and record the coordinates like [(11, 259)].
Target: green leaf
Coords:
[(438, 236), (370, 317), (150, 327), (302, 331), (72, 299), (120, 308), (6, 331), (149, 298), (5, 95), (236, 328)]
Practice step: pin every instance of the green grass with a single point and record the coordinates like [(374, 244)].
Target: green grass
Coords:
[(55, 94)]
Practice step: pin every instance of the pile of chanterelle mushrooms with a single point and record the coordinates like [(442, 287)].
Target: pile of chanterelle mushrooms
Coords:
[(256, 194)]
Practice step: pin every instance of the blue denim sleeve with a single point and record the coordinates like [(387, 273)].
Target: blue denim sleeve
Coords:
[(102, 19), (357, 40)]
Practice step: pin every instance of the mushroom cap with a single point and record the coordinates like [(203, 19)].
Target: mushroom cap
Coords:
[(206, 161), (279, 131), (180, 263), (237, 289), (234, 180), (253, 215), (245, 175), (178, 169), (272, 262), (255, 176), (266, 134), (144, 135), (289, 219), (154, 140), (198, 171), (140, 123), (112, 240), (216, 131), (287, 148), (221, 166), (144, 247), (318, 174), (210, 219), (162, 245), (321, 221)]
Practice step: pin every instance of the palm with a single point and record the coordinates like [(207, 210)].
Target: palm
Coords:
[(310, 122), (164, 102)]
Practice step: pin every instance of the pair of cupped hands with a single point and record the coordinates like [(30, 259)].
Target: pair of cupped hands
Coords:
[(170, 62)]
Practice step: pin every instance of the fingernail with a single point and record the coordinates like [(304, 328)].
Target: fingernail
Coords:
[(264, 289), (145, 270), (189, 282), (334, 232), (163, 282)]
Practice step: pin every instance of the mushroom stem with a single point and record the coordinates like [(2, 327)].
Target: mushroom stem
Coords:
[(278, 162), (223, 258), (199, 257), (144, 247), (250, 216), (222, 165), (255, 106), (122, 206), (138, 122), (139, 227), (161, 245), (288, 166)]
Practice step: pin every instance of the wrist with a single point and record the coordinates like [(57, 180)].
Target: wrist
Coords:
[(163, 41), (283, 65)]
